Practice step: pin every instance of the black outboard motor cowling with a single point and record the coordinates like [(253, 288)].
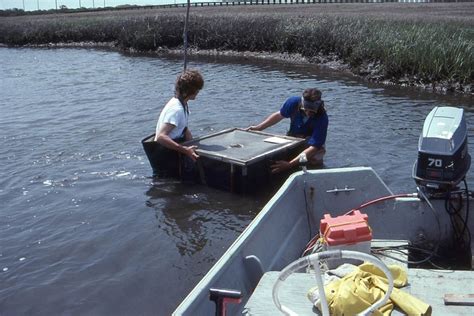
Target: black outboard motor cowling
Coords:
[(443, 158)]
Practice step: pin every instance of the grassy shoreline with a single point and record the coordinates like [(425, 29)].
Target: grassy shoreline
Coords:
[(429, 45)]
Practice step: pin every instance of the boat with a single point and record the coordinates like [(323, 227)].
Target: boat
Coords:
[(426, 233)]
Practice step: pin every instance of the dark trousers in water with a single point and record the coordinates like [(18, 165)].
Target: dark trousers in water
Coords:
[(168, 163)]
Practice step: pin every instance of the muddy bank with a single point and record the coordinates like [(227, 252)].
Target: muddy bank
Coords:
[(371, 72)]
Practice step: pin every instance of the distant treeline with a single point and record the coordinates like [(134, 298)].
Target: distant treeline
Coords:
[(64, 9), (422, 50)]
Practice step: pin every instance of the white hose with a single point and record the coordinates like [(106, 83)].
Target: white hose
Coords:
[(331, 254), (319, 282)]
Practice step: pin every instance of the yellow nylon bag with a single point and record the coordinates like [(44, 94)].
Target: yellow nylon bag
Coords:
[(366, 285)]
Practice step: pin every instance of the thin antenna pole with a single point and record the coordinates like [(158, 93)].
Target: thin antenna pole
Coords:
[(185, 35)]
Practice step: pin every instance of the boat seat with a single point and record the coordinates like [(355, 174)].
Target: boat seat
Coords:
[(294, 289), (292, 294), (430, 286)]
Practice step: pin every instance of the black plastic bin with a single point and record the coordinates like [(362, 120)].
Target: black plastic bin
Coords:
[(234, 160)]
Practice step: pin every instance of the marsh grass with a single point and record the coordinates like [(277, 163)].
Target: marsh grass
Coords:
[(427, 50)]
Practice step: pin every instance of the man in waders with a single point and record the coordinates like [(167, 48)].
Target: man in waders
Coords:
[(309, 120)]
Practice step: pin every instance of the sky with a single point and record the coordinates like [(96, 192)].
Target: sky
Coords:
[(31, 5)]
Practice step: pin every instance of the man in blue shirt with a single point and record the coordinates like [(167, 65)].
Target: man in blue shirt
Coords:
[(308, 119)]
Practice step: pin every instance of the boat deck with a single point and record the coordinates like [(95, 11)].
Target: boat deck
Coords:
[(430, 286), (281, 230)]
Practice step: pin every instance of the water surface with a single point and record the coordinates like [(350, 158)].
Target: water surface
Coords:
[(83, 228)]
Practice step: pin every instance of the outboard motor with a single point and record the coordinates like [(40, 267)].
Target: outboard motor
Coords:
[(443, 158)]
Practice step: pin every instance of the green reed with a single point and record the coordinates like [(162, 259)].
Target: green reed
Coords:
[(427, 50)]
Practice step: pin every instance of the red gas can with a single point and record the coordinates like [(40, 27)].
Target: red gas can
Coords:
[(346, 229), (346, 232)]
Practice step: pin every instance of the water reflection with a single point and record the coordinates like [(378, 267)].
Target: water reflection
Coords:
[(176, 215), (193, 216)]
